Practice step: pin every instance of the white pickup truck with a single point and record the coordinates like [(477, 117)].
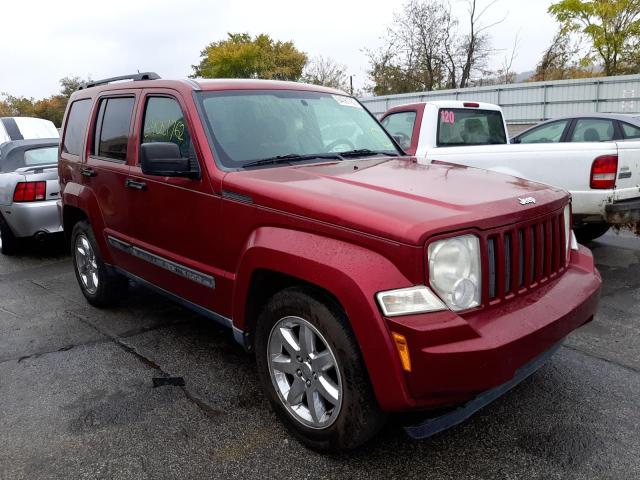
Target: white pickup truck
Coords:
[(603, 177)]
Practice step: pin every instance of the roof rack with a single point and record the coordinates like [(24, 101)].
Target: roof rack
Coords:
[(136, 77)]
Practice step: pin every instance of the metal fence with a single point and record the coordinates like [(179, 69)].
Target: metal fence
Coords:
[(529, 103)]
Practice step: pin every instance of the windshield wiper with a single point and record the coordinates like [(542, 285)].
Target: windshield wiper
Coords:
[(365, 152), (292, 157)]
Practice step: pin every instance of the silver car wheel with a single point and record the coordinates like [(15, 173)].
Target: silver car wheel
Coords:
[(86, 264), (304, 371)]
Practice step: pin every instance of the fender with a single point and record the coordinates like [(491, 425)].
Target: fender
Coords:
[(83, 198), (352, 274)]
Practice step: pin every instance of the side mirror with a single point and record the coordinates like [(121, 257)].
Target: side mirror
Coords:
[(515, 140), (163, 159)]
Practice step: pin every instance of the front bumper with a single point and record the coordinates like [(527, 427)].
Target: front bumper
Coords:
[(456, 357), (434, 425), (27, 219)]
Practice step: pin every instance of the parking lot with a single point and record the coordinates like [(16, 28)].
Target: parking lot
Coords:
[(77, 398)]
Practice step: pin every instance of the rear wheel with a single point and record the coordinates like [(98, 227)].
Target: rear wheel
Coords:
[(312, 372), (99, 284), (9, 240), (587, 232)]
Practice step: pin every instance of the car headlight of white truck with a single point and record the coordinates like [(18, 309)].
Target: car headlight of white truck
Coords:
[(454, 271)]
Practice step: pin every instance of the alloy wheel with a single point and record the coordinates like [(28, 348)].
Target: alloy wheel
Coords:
[(86, 264), (304, 371)]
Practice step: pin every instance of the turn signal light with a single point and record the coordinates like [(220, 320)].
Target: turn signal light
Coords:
[(30, 191), (603, 172), (403, 350)]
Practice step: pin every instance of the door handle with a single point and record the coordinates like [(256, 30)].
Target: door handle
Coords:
[(88, 172), (133, 184)]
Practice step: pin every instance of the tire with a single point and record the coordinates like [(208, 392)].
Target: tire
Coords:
[(10, 244), (588, 232), (101, 286), (355, 417)]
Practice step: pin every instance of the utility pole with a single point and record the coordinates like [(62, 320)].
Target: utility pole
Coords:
[(351, 83)]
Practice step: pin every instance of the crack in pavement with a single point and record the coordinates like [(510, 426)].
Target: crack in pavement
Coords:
[(106, 338), (39, 271), (207, 409), (13, 314), (606, 360)]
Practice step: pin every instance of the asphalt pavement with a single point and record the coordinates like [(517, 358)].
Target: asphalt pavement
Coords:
[(77, 398)]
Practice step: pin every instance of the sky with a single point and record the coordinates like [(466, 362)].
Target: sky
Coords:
[(43, 41)]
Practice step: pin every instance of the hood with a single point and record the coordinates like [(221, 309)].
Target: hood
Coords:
[(396, 198)]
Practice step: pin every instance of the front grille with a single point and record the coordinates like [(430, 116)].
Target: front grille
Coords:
[(523, 256)]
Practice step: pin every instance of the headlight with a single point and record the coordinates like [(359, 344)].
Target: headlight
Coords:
[(454, 271), (406, 301), (567, 228)]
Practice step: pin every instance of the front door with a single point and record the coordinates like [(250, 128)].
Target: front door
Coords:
[(175, 220)]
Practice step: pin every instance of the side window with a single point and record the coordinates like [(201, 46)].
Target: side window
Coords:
[(164, 122), (630, 131), (550, 133), (76, 126), (400, 126), (112, 128), (592, 130)]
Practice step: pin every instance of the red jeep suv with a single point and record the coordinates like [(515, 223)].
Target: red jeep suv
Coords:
[(364, 282)]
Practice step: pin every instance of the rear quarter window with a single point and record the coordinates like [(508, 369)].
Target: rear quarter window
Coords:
[(76, 126), (630, 131)]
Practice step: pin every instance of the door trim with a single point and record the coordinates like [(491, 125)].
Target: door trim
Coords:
[(164, 263)]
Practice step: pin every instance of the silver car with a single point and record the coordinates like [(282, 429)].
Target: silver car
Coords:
[(29, 191)]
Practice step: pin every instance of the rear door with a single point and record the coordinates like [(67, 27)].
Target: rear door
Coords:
[(175, 220), (107, 166)]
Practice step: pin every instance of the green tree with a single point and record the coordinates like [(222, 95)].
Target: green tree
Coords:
[(50, 108), (241, 56), (71, 84), (560, 61), (13, 106), (326, 72), (612, 28)]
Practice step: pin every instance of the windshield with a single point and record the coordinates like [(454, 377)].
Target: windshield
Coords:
[(465, 126), (247, 126)]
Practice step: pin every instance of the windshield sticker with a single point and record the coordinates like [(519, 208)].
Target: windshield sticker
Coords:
[(447, 116), (346, 101)]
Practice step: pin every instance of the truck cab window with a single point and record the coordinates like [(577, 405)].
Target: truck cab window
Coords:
[(463, 126)]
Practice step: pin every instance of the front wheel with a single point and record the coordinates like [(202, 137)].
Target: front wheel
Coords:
[(312, 372), (100, 285)]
